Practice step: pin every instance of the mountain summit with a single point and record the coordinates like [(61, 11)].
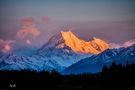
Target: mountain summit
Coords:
[(61, 51), (68, 39)]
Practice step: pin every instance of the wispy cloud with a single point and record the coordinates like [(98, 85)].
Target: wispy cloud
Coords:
[(125, 44), (129, 43), (28, 29), (45, 19), (28, 41), (6, 45), (29, 21)]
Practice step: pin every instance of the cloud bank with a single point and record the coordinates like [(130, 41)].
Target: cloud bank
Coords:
[(28, 30), (125, 44), (6, 45)]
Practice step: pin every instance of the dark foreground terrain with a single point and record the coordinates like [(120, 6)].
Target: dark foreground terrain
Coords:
[(116, 77)]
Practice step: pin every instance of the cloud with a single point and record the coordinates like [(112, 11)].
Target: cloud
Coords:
[(129, 43), (28, 29), (114, 45), (125, 44), (6, 45), (28, 41), (6, 41), (45, 19), (29, 21)]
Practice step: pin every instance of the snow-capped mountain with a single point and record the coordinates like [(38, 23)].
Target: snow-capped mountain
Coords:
[(64, 49), (95, 63), (61, 51), (68, 39), (14, 62)]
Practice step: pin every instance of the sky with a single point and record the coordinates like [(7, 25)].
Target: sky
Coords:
[(38, 20)]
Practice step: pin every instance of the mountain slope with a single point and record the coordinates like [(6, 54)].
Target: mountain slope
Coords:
[(61, 51), (68, 39), (14, 62), (64, 49), (57, 54), (95, 63)]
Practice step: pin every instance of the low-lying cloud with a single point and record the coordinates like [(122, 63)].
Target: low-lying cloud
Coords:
[(28, 29), (6, 45), (125, 44)]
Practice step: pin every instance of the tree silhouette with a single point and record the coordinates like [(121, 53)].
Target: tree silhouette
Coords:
[(115, 76), (55, 73)]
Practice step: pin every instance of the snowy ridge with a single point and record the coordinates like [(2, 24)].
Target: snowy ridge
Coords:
[(95, 63), (53, 55), (66, 50)]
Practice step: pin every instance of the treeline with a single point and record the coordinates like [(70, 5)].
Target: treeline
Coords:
[(27, 79), (119, 75), (113, 77)]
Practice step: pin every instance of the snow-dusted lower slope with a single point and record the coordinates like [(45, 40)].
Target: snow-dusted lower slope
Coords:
[(14, 62), (59, 58)]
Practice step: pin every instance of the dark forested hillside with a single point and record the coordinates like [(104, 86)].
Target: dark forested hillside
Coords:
[(114, 77)]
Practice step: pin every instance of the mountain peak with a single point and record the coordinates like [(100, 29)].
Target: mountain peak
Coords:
[(99, 44), (67, 38), (69, 31), (96, 38)]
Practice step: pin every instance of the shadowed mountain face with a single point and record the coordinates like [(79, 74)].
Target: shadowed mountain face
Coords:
[(95, 63)]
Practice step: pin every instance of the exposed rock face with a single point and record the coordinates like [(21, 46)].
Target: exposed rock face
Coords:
[(77, 45)]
